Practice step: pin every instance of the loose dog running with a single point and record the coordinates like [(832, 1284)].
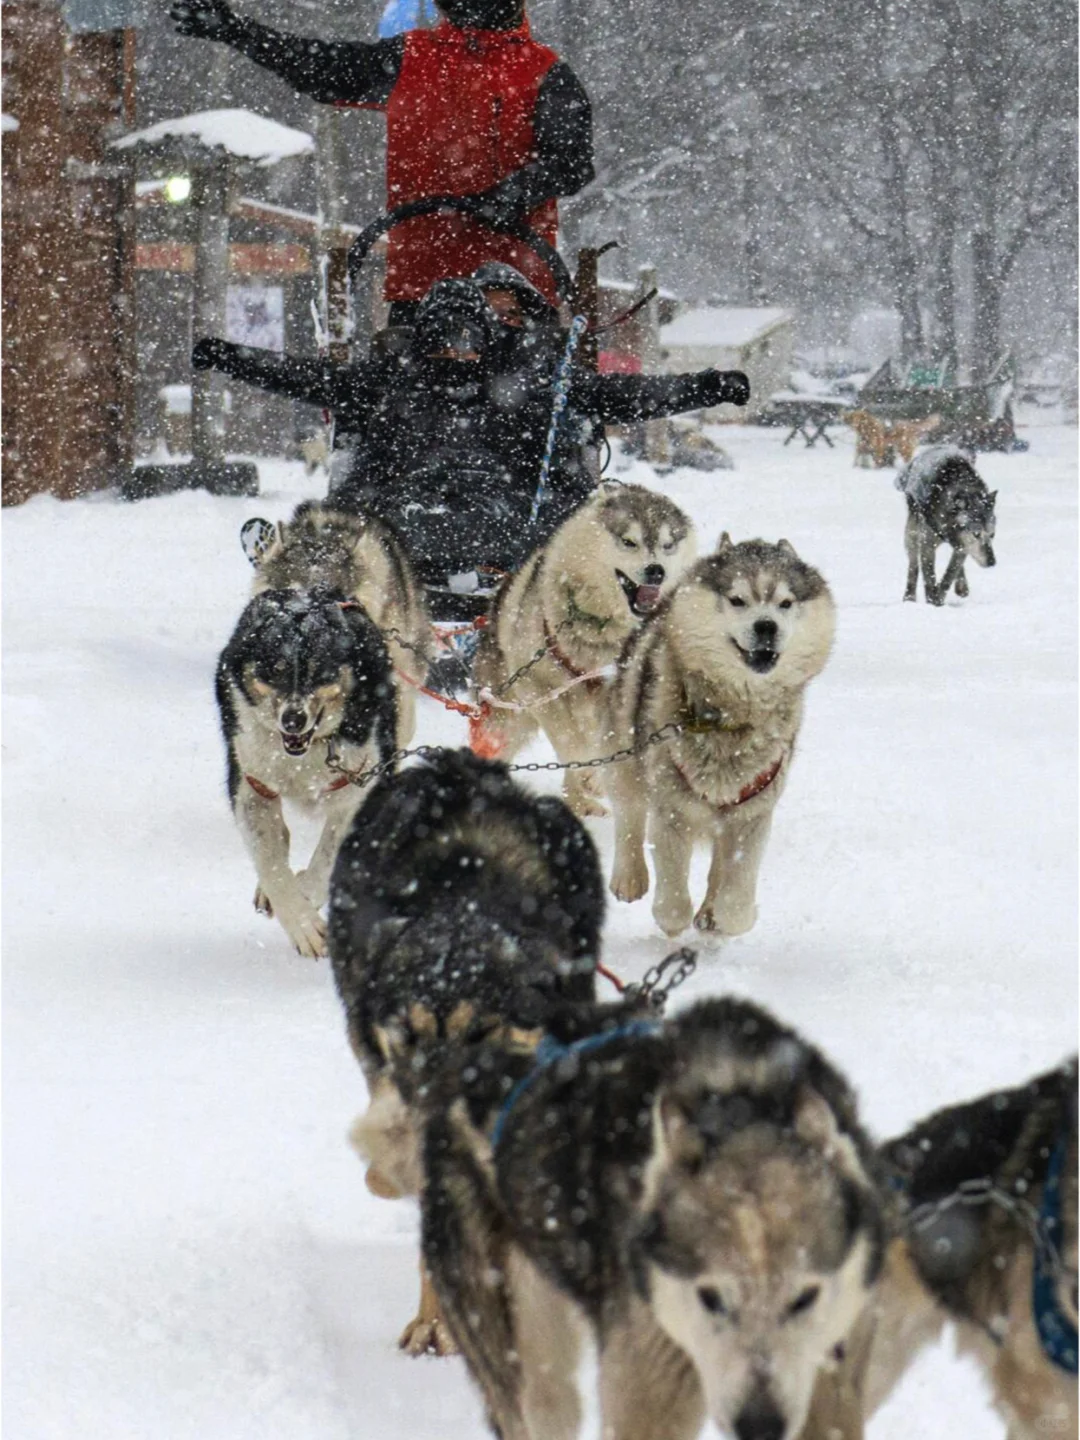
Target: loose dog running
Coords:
[(581, 596), (728, 657), (699, 1195), (1000, 1261), (948, 504), (302, 671), (462, 911), (363, 558)]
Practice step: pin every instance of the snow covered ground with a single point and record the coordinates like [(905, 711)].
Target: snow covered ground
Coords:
[(189, 1247)]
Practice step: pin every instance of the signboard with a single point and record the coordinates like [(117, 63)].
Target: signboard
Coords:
[(255, 315), (82, 17)]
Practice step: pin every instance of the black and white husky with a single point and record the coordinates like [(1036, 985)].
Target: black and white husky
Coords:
[(305, 674), (948, 504)]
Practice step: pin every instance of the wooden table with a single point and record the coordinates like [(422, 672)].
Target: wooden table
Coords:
[(808, 416)]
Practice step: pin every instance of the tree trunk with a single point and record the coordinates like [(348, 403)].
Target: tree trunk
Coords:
[(986, 301)]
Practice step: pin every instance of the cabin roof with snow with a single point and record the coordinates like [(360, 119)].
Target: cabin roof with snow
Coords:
[(240, 133), (726, 327)]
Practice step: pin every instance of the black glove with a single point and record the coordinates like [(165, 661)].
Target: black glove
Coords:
[(730, 387), (498, 208), (208, 354), (205, 19)]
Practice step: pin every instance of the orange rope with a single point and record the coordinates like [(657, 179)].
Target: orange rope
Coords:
[(620, 985)]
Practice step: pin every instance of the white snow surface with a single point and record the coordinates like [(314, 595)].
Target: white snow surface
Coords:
[(190, 1251), (241, 132), (723, 325)]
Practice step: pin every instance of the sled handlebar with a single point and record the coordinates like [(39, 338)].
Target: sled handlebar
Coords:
[(476, 210)]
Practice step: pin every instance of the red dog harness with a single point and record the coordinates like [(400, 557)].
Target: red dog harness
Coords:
[(754, 787), (561, 658), (268, 794)]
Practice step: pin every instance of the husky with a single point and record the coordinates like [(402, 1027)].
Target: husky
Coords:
[(948, 504), (724, 663), (362, 557), (575, 603), (304, 673), (462, 911), (990, 1244), (698, 1195)]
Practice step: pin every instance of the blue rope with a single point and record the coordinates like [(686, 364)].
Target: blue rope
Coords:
[(560, 395), (550, 1051), (1057, 1333)]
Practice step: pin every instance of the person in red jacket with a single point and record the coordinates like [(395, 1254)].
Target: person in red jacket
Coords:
[(474, 107)]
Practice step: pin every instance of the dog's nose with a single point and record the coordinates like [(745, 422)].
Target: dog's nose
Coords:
[(654, 575), (293, 721), (765, 630), (990, 557), (759, 1419)]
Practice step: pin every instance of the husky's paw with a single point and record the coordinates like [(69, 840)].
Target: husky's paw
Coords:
[(427, 1337), (736, 920), (630, 880), (961, 587), (673, 917), (935, 596), (315, 888), (909, 595), (262, 901), (306, 928)]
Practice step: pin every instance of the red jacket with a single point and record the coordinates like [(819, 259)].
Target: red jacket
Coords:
[(459, 120)]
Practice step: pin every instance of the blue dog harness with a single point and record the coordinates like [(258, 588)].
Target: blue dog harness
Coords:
[(550, 1051), (1057, 1333)]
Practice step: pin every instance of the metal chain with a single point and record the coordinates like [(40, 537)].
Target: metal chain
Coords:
[(541, 654), (533, 767), (650, 989), (985, 1192)]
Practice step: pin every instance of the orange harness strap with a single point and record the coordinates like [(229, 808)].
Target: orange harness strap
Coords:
[(754, 787)]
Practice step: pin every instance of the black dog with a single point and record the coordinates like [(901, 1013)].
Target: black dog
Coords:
[(948, 504)]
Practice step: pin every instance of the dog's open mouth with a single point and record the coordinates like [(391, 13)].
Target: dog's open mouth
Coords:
[(297, 744), (761, 659), (642, 599)]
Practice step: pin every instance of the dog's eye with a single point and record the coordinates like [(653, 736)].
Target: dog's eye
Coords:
[(803, 1302), (630, 544), (710, 1299), (737, 601), (785, 604), (669, 547)]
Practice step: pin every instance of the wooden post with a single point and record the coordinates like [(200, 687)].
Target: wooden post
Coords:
[(332, 246), (210, 199), (657, 442), (587, 288)]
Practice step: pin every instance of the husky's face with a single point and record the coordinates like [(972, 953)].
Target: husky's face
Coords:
[(298, 716), (296, 677), (757, 1263), (978, 525), (754, 609), (649, 544)]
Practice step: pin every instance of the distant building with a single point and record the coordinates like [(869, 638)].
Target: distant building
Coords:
[(755, 339)]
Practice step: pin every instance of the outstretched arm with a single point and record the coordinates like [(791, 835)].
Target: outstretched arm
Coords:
[(339, 388), (622, 399), (352, 73)]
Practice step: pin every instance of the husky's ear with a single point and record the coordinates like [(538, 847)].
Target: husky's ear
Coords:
[(815, 1123), (724, 544), (993, 496), (679, 1140), (786, 548)]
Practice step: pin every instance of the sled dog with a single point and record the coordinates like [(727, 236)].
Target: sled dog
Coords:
[(576, 602), (699, 1195), (362, 557), (303, 672), (989, 1243), (462, 910), (878, 442), (726, 657), (948, 504)]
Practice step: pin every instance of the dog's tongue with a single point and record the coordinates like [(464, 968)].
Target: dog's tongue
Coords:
[(647, 597)]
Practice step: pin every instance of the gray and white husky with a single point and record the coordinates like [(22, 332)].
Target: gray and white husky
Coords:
[(577, 601), (698, 1195), (362, 557), (948, 504), (303, 671), (727, 658)]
